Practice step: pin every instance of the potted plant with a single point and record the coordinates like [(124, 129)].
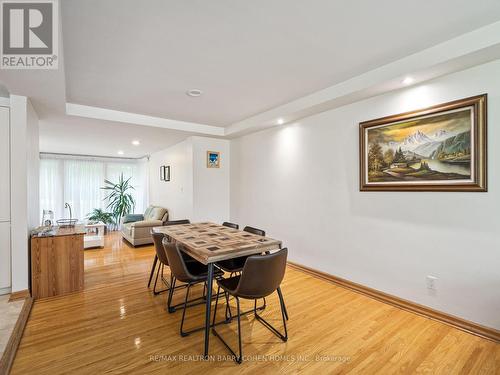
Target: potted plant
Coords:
[(98, 214), (120, 200)]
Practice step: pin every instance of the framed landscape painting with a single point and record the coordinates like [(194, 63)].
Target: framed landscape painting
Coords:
[(441, 148)]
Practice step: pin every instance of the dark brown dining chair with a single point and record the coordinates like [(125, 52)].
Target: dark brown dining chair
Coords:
[(155, 259), (230, 265), (236, 265), (163, 261), (257, 231), (261, 276), (231, 225), (177, 222), (190, 273), (260, 232)]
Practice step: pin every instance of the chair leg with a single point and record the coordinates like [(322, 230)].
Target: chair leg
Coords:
[(229, 315), (193, 302), (216, 302), (166, 282), (255, 308), (187, 304), (237, 358), (156, 279), (155, 260), (284, 314), (184, 334), (160, 275), (284, 306), (170, 295), (269, 326)]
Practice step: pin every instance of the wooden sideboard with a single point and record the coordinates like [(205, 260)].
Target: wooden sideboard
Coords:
[(57, 263)]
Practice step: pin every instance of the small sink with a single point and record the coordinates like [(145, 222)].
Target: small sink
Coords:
[(66, 223)]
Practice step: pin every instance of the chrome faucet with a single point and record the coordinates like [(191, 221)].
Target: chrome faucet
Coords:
[(68, 206)]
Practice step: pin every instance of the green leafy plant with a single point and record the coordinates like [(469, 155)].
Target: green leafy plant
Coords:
[(98, 214), (120, 200)]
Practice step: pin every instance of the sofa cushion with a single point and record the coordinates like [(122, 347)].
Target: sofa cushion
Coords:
[(148, 212), (129, 218), (156, 213), (145, 223)]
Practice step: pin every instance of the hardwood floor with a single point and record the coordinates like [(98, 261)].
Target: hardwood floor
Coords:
[(115, 325)]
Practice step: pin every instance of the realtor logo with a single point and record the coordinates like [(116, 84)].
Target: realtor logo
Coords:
[(29, 34)]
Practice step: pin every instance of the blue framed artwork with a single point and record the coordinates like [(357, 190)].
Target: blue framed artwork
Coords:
[(213, 159)]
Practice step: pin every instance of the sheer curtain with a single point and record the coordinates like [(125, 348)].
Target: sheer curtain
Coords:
[(82, 182), (79, 181), (137, 174), (51, 187)]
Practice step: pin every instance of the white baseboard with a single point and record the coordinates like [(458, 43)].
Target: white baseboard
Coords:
[(5, 291)]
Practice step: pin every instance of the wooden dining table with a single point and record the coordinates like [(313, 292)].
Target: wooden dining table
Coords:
[(209, 243)]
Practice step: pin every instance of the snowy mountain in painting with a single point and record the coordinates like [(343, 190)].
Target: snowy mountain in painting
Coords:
[(441, 134), (427, 149), (414, 140), (419, 144)]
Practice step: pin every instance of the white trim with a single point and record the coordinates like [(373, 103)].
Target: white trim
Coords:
[(138, 119), (4, 102), (4, 291)]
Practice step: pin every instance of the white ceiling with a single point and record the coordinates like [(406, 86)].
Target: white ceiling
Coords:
[(249, 58), (81, 136)]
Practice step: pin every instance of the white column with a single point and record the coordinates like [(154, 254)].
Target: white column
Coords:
[(24, 185)]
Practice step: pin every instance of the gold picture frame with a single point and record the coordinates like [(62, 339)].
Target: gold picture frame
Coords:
[(213, 159), (439, 148)]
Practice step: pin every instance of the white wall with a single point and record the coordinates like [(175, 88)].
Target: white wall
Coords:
[(5, 254), (210, 185), (300, 183), (24, 185), (177, 194), (194, 191), (33, 167)]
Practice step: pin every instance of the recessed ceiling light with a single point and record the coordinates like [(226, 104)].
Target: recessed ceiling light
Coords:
[(120, 152), (194, 92), (281, 121), (408, 80), (136, 142)]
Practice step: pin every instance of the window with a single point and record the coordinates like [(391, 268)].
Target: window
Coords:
[(79, 181)]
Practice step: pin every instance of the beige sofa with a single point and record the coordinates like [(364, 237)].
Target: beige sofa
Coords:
[(136, 228)]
